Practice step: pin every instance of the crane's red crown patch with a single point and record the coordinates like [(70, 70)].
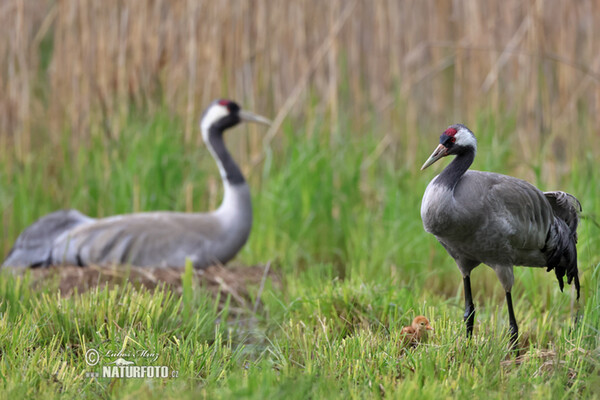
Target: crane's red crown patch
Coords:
[(450, 132)]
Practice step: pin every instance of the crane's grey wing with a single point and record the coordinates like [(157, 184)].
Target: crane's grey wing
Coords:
[(34, 245), (565, 207), (144, 240), (544, 227), (524, 211), (510, 213)]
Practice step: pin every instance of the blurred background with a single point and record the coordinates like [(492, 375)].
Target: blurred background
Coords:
[(82, 66), (88, 88)]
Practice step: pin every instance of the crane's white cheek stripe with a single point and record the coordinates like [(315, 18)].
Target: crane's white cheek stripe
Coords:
[(214, 113), (465, 138)]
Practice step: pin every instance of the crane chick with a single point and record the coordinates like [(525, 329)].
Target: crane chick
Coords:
[(416, 332)]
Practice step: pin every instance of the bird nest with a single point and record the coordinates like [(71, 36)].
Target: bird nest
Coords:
[(235, 281)]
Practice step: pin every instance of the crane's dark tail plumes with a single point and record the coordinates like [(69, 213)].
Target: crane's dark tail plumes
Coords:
[(32, 248), (561, 250)]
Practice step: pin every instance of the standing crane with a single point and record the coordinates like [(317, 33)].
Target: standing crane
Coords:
[(483, 217), (152, 238)]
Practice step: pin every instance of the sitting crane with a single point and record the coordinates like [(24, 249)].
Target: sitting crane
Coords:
[(152, 238)]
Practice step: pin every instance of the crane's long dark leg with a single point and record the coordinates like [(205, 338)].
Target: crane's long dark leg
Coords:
[(514, 329), (469, 306)]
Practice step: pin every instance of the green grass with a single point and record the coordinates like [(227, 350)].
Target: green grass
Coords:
[(355, 264)]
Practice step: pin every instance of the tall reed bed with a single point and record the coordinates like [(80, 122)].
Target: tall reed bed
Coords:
[(82, 66)]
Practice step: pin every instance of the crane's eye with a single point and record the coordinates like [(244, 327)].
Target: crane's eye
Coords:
[(447, 140), (449, 135)]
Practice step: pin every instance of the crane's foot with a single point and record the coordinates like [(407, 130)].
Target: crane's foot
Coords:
[(514, 335), (514, 339), (514, 329), (469, 318)]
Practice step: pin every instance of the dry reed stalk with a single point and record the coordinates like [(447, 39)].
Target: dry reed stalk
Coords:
[(537, 60)]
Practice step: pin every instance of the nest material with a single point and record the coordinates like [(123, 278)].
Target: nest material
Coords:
[(234, 280)]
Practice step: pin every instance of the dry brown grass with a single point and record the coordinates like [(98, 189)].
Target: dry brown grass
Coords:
[(444, 60), (235, 281)]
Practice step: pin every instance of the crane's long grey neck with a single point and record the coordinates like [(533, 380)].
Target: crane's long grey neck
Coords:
[(230, 172), (235, 211), (453, 172)]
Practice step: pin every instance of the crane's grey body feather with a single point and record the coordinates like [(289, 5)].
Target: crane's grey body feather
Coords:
[(490, 218), (161, 239), (566, 207), (502, 221), (33, 246)]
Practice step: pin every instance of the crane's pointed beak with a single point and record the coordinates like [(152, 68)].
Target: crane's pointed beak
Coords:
[(247, 116), (439, 152), (429, 328)]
